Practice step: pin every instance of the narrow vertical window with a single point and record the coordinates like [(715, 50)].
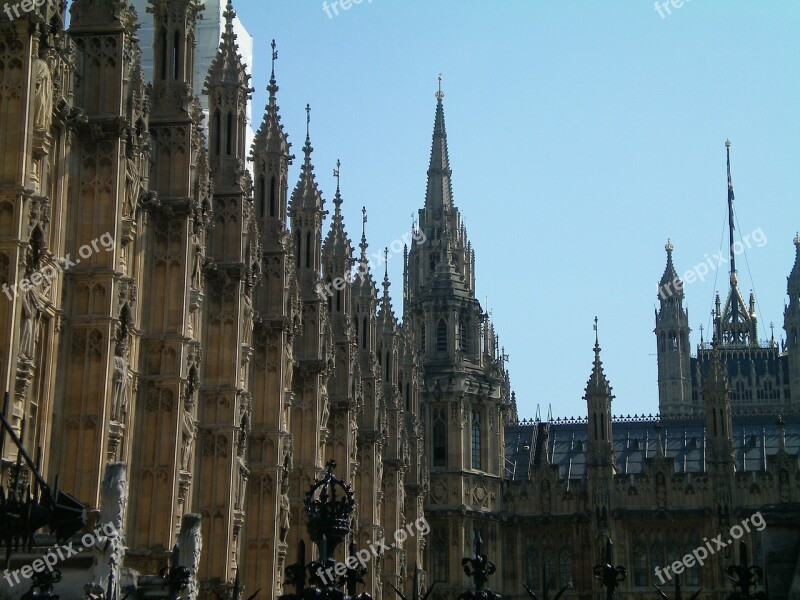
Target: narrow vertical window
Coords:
[(439, 437), (261, 195), (422, 338), (441, 336), (176, 55), (439, 562), (462, 337), (308, 250), (476, 439), (217, 133), (565, 568), (273, 201), (408, 396), (364, 334), (229, 135), (532, 569), (163, 58)]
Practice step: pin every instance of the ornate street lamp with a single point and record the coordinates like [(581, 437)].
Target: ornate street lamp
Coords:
[(329, 505), (609, 575), (745, 577)]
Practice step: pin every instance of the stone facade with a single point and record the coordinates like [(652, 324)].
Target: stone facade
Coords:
[(192, 374)]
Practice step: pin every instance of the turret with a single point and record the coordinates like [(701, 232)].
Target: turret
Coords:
[(598, 398), (672, 342), (791, 323)]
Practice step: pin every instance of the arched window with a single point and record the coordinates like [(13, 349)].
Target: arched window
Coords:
[(439, 437), (439, 558), (639, 562), (476, 439), (692, 576), (656, 558), (549, 571), (532, 569), (565, 568), (273, 201), (441, 336)]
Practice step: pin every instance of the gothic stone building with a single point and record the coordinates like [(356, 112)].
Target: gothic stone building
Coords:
[(185, 351)]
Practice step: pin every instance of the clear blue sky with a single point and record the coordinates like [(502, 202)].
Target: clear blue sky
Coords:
[(582, 135)]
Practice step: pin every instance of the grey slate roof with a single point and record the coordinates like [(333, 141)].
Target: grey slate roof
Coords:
[(754, 438)]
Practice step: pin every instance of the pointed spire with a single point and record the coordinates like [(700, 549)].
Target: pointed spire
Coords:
[(439, 192), (228, 66), (597, 386), (270, 136), (387, 321), (670, 284), (337, 243), (363, 245), (306, 194)]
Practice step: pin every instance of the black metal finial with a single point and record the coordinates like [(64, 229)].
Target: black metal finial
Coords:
[(274, 56), (745, 577), (337, 172), (308, 122), (609, 575)]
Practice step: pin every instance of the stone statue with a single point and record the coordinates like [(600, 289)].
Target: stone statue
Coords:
[(190, 545), (120, 389), (285, 512), (109, 553), (42, 96), (132, 180), (31, 318)]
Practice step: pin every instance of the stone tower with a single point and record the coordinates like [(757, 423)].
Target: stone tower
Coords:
[(277, 319), (233, 268), (465, 391), (672, 339), (313, 350), (173, 258), (791, 323)]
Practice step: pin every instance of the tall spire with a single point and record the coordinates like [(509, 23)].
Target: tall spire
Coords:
[(270, 136), (736, 325), (597, 386), (670, 284), (306, 194), (439, 192), (337, 244)]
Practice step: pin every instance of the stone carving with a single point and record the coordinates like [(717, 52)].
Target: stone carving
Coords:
[(31, 319), (108, 555), (284, 518), (121, 388), (189, 548), (42, 96)]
